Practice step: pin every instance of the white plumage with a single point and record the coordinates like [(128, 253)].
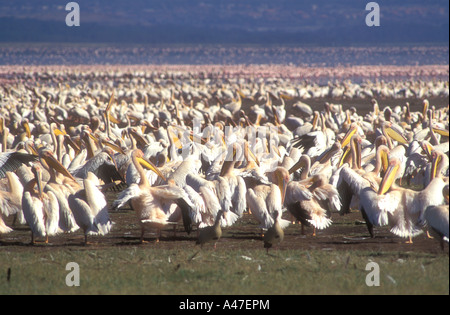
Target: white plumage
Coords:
[(90, 209)]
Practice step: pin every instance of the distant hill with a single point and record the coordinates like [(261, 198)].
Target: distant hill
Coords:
[(319, 22)]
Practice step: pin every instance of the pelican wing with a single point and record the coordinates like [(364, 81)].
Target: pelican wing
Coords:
[(211, 201), (66, 219), (98, 205), (33, 211), (207, 190), (82, 213), (132, 191), (238, 197), (11, 201), (11, 161), (257, 205), (94, 197), (175, 194), (378, 208), (8, 205), (348, 184), (399, 217), (328, 193), (198, 202), (296, 192), (51, 208), (223, 193)]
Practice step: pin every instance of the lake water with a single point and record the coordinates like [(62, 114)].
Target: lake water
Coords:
[(105, 54)]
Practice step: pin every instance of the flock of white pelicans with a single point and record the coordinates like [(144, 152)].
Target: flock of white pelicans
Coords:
[(206, 166)]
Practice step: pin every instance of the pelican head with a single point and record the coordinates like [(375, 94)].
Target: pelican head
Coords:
[(389, 176), (439, 130), (439, 162), (355, 150), (26, 127), (426, 105), (249, 153), (384, 156), (49, 161), (380, 140), (282, 179), (317, 180), (331, 152), (348, 136), (304, 161), (139, 155), (427, 148), (392, 131)]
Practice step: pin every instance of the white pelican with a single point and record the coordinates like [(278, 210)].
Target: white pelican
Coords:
[(60, 188), (152, 204), (311, 205), (275, 233), (315, 142), (207, 190), (264, 199), (236, 183), (40, 209), (324, 165), (90, 208), (400, 208)]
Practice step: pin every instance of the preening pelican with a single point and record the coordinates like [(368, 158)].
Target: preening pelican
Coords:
[(62, 188), (264, 199), (311, 204), (154, 206), (90, 209), (236, 183), (315, 142), (400, 208), (40, 209)]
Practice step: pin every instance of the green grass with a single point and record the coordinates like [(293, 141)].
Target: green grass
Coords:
[(151, 270)]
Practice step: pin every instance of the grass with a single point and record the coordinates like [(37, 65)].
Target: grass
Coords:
[(150, 270)]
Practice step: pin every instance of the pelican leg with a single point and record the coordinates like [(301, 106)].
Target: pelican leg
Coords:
[(86, 239), (46, 239), (409, 241), (428, 235), (369, 225), (142, 236), (314, 232), (293, 220)]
